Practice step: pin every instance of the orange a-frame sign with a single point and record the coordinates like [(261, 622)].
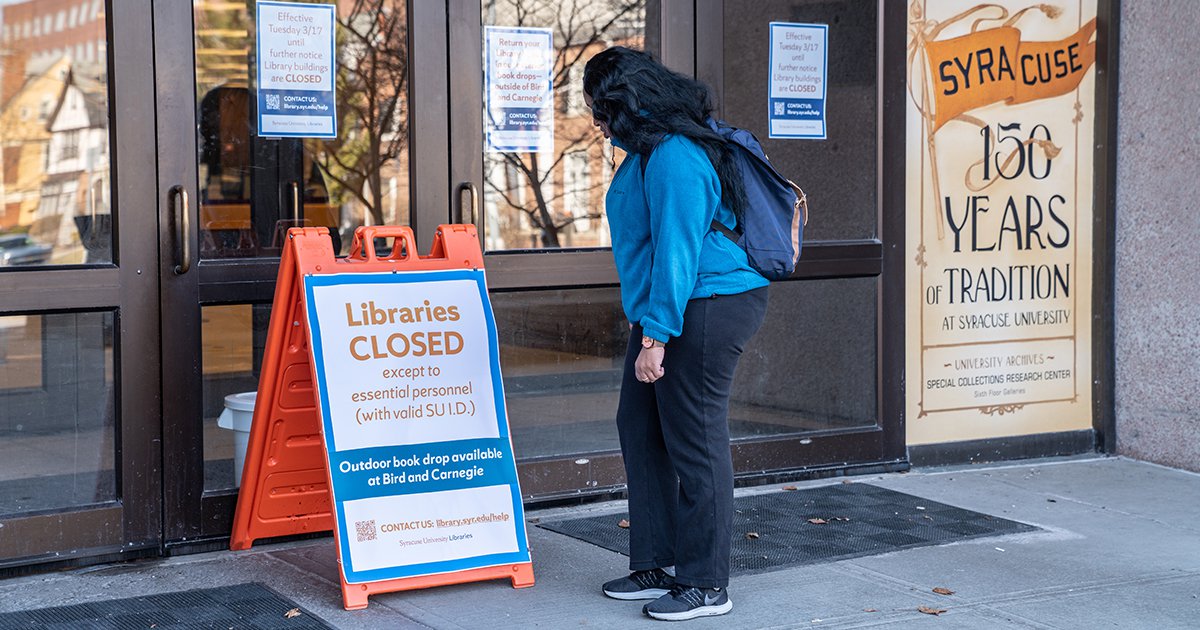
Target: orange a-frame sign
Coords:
[(285, 488)]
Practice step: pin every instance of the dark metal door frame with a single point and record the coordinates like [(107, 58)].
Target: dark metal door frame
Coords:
[(882, 446), (129, 526), (684, 23), (542, 478), (192, 516)]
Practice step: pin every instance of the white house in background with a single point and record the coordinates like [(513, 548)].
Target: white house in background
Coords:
[(77, 163)]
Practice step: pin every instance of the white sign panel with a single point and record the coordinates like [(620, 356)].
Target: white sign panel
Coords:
[(519, 89), (421, 465), (799, 65), (296, 70)]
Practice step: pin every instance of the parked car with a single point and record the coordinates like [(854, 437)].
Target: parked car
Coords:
[(19, 249)]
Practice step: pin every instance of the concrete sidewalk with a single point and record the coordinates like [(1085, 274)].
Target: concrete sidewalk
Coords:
[(1120, 549)]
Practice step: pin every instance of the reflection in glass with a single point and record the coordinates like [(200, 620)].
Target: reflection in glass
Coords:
[(57, 438), (562, 352), (232, 342), (811, 367), (813, 363), (55, 201), (555, 198), (839, 173), (253, 189)]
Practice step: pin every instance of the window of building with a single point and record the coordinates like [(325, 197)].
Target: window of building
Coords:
[(572, 96), (514, 183), (60, 21), (73, 17), (576, 186)]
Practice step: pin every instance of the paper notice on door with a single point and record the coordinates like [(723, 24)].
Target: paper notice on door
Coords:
[(519, 89), (296, 70), (799, 65)]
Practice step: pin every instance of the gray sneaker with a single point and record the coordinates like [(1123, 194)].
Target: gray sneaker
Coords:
[(650, 584), (688, 602)]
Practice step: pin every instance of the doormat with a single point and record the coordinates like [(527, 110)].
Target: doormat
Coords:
[(823, 524), (240, 606)]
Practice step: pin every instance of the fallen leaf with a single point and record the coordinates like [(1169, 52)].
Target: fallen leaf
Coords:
[(295, 612), (870, 610), (535, 520), (752, 535), (941, 590), (927, 517), (790, 488), (931, 611), (840, 518), (817, 521), (623, 523)]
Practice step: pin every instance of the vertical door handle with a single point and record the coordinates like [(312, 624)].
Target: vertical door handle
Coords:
[(469, 188), (295, 204), (182, 212)]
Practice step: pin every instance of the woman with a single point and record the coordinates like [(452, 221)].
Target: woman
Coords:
[(693, 302)]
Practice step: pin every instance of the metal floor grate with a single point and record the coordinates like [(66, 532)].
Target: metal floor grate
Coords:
[(240, 606), (879, 521)]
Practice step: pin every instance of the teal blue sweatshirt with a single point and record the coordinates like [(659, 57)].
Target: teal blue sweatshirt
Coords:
[(665, 248)]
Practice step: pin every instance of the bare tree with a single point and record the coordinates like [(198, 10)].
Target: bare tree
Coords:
[(372, 87), (581, 28)]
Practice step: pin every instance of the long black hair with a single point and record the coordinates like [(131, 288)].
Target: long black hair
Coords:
[(642, 101)]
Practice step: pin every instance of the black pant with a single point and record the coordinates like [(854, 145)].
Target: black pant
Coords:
[(675, 441)]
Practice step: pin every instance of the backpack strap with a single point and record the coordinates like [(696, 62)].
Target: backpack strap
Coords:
[(723, 229)]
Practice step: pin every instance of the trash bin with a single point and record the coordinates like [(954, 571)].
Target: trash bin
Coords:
[(238, 414)]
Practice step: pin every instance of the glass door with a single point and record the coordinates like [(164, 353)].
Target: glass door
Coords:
[(530, 170), (232, 182), (826, 370), (535, 192), (79, 398)]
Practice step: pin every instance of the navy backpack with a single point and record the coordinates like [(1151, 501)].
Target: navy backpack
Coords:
[(772, 229)]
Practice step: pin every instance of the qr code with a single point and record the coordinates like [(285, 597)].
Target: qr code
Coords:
[(272, 101), (778, 108), (365, 530)]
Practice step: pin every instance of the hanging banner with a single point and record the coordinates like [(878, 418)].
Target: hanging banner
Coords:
[(999, 218), (519, 89), (799, 68), (412, 406), (296, 70)]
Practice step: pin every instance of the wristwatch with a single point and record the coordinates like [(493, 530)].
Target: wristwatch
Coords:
[(651, 342)]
